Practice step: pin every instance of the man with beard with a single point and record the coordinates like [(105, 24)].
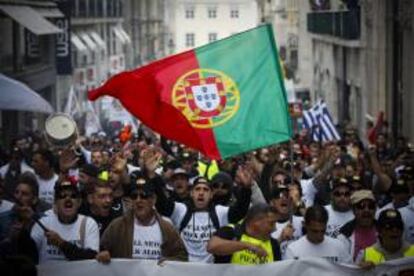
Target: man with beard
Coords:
[(360, 232), (222, 186), (141, 233), (288, 227), (68, 235), (315, 243), (339, 211), (100, 205), (390, 245)]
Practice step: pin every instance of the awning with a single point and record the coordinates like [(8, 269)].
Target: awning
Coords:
[(49, 12), (80, 47), (121, 35), (16, 95), (30, 19), (97, 38), (88, 41), (126, 36)]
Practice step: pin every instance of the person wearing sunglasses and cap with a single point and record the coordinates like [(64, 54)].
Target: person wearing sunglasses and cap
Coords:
[(339, 210), (141, 233), (64, 234), (390, 245), (360, 232), (288, 227)]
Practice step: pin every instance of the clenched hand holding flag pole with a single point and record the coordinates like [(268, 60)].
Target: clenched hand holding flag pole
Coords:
[(223, 98)]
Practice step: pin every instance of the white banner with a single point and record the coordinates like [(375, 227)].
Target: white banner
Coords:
[(306, 267)]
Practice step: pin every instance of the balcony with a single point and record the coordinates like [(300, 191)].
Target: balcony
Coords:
[(343, 24)]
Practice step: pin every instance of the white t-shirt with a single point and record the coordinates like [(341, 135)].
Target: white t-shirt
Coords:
[(330, 249), (336, 220), (47, 188), (407, 214), (198, 231), (147, 241), (297, 232), (308, 191), (68, 232), (5, 206)]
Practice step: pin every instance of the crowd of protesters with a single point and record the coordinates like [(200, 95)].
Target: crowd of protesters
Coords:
[(143, 197)]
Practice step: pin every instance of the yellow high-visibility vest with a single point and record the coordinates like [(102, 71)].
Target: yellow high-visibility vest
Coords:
[(247, 257), (373, 255), (208, 171)]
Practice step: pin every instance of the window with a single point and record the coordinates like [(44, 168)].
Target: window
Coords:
[(212, 37), (212, 12), (234, 13), (189, 12), (189, 40)]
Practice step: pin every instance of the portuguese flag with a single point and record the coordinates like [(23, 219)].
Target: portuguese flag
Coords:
[(222, 99)]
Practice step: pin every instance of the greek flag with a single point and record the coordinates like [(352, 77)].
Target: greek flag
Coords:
[(319, 121)]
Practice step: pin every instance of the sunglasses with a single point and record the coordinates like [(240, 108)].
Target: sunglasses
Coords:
[(135, 196), (393, 226), (362, 206), (339, 194), (67, 195)]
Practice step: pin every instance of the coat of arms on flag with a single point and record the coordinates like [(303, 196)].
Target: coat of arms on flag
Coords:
[(206, 97)]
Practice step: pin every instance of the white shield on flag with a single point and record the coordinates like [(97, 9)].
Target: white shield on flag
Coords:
[(206, 96)]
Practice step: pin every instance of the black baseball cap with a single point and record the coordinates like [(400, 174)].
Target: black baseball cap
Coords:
[(201, 180), (390, 218), (64, 185), (139, 182)]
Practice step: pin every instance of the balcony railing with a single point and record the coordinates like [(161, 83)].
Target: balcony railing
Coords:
[(344, 24)]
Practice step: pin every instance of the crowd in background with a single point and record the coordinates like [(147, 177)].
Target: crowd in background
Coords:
[(140, 196)]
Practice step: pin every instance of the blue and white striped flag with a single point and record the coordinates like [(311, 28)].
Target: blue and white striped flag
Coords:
[(319, 121)]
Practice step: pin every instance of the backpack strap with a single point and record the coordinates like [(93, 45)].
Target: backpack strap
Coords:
[(186, 219), (214, 217), (82, 231)]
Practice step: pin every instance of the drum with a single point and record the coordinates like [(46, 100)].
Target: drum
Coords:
[(60, 130)]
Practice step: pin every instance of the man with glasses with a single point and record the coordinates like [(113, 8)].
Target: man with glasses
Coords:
[(288, 227), (64, 234), (339, 210), (390, 245), (222, 187), (360, 232), (141, 233)]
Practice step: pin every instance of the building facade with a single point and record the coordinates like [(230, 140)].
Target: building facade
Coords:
[(293, 44), (361, 60), (198, 22), (27, 54)]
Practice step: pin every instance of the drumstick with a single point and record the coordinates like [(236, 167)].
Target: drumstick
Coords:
[(39, 223)]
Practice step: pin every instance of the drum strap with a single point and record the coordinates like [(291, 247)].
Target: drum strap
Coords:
[(82, 231)]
